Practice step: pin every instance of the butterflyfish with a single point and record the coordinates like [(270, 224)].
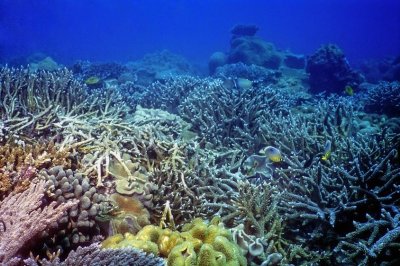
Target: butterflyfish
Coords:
[(327, 151), (273, 154)]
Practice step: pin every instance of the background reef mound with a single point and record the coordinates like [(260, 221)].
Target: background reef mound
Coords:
[(249, 49), (112, 159)]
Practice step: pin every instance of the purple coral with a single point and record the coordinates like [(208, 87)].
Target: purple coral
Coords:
[(93, 255), (22, 218)]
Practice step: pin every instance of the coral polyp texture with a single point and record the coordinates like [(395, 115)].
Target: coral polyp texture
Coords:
[(269, 161)]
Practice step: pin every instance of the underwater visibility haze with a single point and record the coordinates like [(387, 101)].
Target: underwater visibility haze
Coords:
[(199, 132)]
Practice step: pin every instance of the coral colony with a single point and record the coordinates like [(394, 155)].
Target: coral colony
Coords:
[(272, 159)]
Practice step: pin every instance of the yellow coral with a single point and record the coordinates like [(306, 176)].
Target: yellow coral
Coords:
[(182, 254), (199, 243)]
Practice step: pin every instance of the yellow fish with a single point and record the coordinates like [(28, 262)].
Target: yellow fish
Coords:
[(327, 150), (273, 154)]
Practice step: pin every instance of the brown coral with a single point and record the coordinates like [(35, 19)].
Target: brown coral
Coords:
[(129, 216)]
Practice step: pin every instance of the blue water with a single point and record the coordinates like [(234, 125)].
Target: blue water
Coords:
[(100, 30)]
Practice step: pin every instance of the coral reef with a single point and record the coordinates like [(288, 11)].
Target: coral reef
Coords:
[(252, 72), (253, 50), (216, 60), (19, 164), (146, 156), (329, 70), (324, 200), (33, 102), (248, 49), (47, 64)]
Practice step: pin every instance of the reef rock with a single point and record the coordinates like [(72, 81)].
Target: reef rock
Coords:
[(329, 71), (253, 50)]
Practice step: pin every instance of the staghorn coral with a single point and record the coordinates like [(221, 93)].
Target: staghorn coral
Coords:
[(372, 241), (227, 116), (32, 101), (94, 255), (259, 229), (25, 223), (198, 243), (383, 98), (86, 69), (159, 66), (166, 94), (324, 197)]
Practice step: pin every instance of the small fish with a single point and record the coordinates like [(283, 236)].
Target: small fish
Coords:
[(327, 150), (256, 164), (273, 154), (244, 83), (348, 90)]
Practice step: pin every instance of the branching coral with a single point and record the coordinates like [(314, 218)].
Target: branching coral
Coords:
[(166, 94), (20, 164), (25, 223), (383, 99), (31, 101), (373, 241), (324, 197), (227, 116)]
